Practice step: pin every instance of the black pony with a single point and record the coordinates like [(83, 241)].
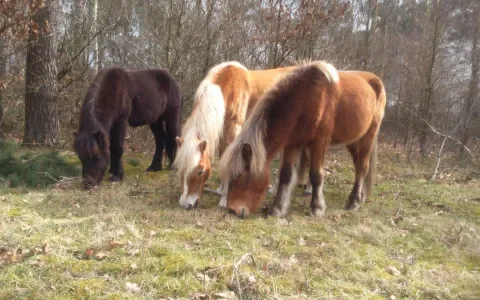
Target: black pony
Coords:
[(116, 98)]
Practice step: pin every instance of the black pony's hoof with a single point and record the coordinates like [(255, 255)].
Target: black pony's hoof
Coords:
[(115, 178), (153, 169)]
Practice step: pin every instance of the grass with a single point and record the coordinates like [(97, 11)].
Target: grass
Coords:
[(414, 240)]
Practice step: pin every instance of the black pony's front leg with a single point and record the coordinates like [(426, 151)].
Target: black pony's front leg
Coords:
[(117, 134), (159, 134)]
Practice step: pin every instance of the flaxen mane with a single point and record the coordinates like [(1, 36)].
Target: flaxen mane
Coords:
[(205, 122), (253, 133)]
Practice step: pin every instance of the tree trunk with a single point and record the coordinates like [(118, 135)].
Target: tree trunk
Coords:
[(41, 112), (3, 70), (428, 91), (473, 87)]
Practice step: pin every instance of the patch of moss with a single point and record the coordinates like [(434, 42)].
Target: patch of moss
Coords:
[(25, 167)]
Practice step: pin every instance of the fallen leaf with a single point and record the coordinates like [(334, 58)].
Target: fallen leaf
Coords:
[(152, 233), (225, 295), (203, 277), (112, 244), (198, 296), (89, 252), (46, 248), (133, 266), (393, 271), (301, 241), (132, 287), (37, 262), (133, 252), (100, 256)]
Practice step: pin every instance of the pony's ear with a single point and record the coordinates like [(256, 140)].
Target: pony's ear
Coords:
[(179, 141), (101, 140), (247, 154), (203, 146)]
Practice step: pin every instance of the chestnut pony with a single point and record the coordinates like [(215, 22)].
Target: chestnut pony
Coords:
[(117, 98), (223, 102), (312, 107)]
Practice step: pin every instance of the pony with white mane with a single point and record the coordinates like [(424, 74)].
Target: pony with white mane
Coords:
[(313, 107), (223, 102)]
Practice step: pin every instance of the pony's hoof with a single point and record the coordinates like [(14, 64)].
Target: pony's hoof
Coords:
[(276, 211), (223, 202), (153, 169), (308, 190), (353, 206), (115, 178), (318, 213)]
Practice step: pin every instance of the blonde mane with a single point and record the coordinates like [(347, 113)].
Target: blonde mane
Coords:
[(205, 121), (255, 129)]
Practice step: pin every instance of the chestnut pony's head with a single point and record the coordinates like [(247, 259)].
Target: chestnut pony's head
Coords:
[(192, 173), (200, 136), (246, 187), (244, 167)]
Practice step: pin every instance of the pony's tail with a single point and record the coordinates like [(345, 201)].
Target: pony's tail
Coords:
[(379, 89), (372, 170)]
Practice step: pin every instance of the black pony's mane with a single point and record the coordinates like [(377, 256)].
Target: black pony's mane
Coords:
[(85, 143)]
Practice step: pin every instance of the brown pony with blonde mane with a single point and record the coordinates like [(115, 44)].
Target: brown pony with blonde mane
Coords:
[(312, 107), (223, 101)]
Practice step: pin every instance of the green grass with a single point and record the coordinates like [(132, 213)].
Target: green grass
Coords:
[(28, 168), (427, 232)]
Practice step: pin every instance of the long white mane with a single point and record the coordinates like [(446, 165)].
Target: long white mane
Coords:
[(205, 122)]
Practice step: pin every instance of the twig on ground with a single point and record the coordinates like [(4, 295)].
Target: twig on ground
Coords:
[(234, 278)]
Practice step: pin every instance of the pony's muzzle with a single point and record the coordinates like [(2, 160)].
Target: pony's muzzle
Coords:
[(195, 205), (241, 213), (189, 202)]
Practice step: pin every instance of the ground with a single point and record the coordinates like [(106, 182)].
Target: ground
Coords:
[(413, 240)]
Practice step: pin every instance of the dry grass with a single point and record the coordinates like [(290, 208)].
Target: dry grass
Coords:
[(414, 240)]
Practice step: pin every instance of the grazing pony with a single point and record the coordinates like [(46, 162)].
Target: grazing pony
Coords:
[(223, 102), (312, 107), (115, 98)]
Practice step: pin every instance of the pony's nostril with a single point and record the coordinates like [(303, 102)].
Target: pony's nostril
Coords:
[(232, 212), (190, 206), (195, 205)]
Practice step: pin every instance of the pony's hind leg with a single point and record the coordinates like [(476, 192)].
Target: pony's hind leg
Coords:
[(304, 181), (158, 133), (317, 175), (117, 134), (286, 182), (360, 152)]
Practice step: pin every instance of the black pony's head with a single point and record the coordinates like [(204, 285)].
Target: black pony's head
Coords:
[(93, 151)]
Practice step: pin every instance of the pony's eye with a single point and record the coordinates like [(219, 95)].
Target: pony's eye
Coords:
[(200, 172)]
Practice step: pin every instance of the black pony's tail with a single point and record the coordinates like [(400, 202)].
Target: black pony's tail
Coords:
[(172, 118)]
